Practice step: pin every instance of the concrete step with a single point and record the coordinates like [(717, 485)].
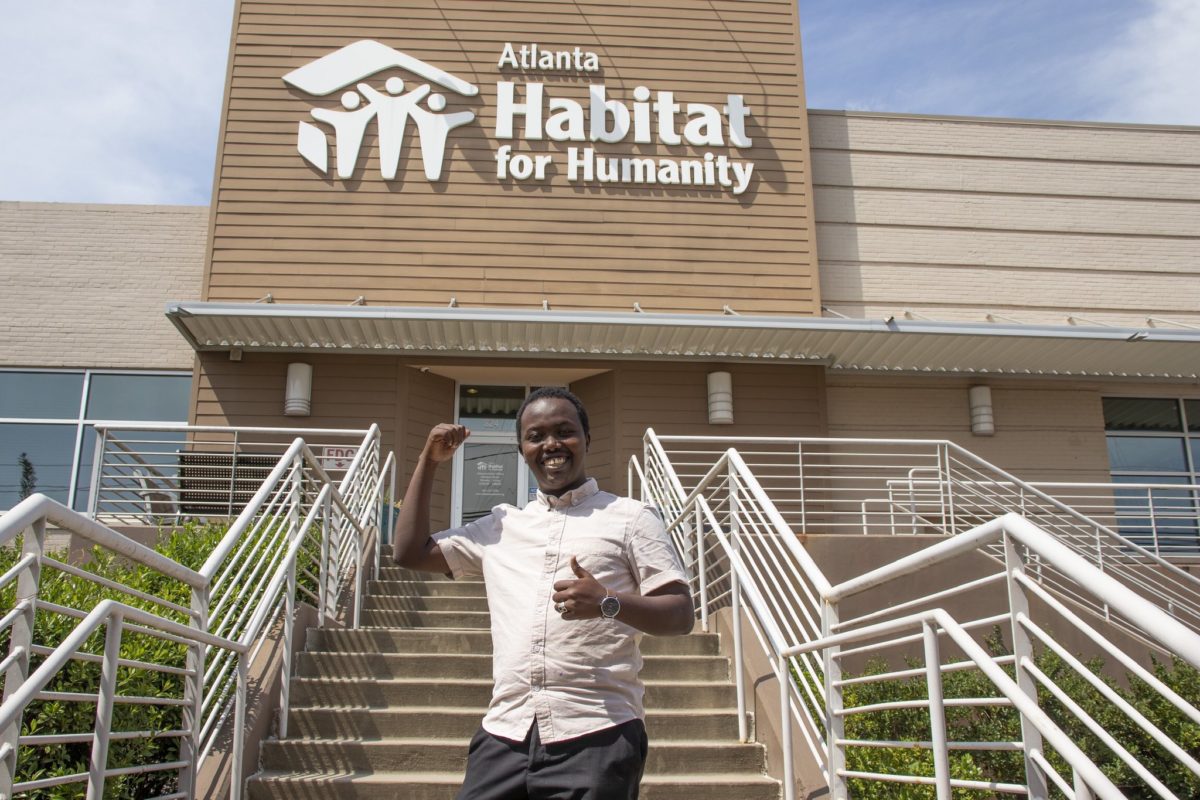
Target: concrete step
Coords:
[(450, 755), (428, 588), (393, 573), (453, 667), (444, 785), (414, 602), (376, 640), (461, 723), (380, 618), (384, 693)]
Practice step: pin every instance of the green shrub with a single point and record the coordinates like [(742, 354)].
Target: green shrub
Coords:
[(189, 546), (999, 723)]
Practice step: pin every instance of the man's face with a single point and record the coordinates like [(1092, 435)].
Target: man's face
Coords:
[(553, 444)]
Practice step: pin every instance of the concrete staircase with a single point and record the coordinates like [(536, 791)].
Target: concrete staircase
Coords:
[(387, 711)]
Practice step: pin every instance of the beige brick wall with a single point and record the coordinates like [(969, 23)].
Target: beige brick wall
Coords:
[(954, 218), (87, 285)]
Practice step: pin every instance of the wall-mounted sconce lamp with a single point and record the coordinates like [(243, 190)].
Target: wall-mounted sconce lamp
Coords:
[(720, 398), (983, 421), (297, 398)]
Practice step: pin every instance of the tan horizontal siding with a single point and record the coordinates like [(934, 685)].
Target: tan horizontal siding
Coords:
[(1044, 431), (281, 228), (1009, 212), (1015, 289), (998, 138), (1008, 176), (1005, 248)]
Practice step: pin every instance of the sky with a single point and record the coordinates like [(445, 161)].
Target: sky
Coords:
[(118, 101)]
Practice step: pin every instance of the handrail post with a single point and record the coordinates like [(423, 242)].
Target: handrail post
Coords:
[(97, 472), (233, 465), (239, 727), (835, 725), (104, 707), (937, 711), (701, 568), (289, 625), (736, 591), (785, 719), (33, 542), (803, 495), (193, 693), (323, 570), (1018, 606), (1153, 520), (949, 484)]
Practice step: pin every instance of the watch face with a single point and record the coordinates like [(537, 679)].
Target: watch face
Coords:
[(610, 606)]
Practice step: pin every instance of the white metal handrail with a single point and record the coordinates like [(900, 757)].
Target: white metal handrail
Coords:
[(1163, 518), (300, 527), (154, 473), (742, 552), (854, 486)]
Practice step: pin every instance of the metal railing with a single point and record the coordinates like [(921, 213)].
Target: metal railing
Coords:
[(299, 537), (164, 473), (743, 553), (876, 486), (1163, 518)]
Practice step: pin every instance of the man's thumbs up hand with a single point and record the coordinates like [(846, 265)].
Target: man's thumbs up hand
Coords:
[(580, 598)]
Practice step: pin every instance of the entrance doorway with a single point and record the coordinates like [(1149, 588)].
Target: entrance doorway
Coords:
[(488, 468)]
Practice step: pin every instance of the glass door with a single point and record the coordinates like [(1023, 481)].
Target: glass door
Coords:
[(488, 468)]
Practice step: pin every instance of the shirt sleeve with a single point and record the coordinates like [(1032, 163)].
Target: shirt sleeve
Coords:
[(463, 547), (655, 562)]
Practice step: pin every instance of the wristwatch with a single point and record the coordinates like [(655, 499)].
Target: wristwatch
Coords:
[(610, 606)]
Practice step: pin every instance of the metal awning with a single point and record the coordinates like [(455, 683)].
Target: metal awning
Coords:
[(841, 344)]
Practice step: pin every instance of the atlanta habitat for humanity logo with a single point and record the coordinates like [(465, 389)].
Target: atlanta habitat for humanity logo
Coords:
[(390, 109)]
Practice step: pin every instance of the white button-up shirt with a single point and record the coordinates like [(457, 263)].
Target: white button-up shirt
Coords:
[(573, 676)]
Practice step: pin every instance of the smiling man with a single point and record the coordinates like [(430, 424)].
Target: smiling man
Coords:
[(573, 579)]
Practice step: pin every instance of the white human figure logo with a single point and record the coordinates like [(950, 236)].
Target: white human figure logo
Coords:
[(393, 111), (390, 111), (349, 127), (433, 129)]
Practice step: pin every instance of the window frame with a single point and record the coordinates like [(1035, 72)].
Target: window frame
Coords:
[(81, 421), (1190, 440)]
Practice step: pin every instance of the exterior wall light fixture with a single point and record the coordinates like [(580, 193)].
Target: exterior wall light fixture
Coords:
[(297, 399), (720, 398), (983, 421)]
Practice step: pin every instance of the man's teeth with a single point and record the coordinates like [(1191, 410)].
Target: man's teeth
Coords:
[(555, 461)]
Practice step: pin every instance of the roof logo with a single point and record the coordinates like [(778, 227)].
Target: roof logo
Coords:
[(390, 109)]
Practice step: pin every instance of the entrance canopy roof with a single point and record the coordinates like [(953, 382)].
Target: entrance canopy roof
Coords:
[(841, 344)]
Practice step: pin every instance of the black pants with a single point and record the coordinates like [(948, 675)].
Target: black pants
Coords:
[(606, 765)]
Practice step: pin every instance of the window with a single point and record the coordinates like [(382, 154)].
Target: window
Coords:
[(1154, 445), (46, 419)]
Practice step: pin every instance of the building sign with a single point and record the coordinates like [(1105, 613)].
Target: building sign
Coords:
[(647, 118), (390, 109), (336, 458), (605, 155)]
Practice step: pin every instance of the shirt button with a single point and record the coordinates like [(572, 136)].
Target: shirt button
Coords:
[(537, 687)]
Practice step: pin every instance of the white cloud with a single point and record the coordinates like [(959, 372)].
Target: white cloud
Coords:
[(1152, 74), (112, 102)]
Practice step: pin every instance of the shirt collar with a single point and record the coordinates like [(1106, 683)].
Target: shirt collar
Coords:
[(571, 498)]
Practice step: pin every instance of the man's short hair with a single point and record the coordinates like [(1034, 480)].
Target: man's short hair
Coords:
[(547, 392)]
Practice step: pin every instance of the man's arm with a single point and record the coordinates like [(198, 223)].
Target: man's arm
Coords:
[(412, 545), (666, 611)]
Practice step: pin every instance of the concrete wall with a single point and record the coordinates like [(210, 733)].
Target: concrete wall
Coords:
[(86, 285), (954, 218)]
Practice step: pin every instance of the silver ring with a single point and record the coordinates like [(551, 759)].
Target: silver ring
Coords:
[(560, 608)]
